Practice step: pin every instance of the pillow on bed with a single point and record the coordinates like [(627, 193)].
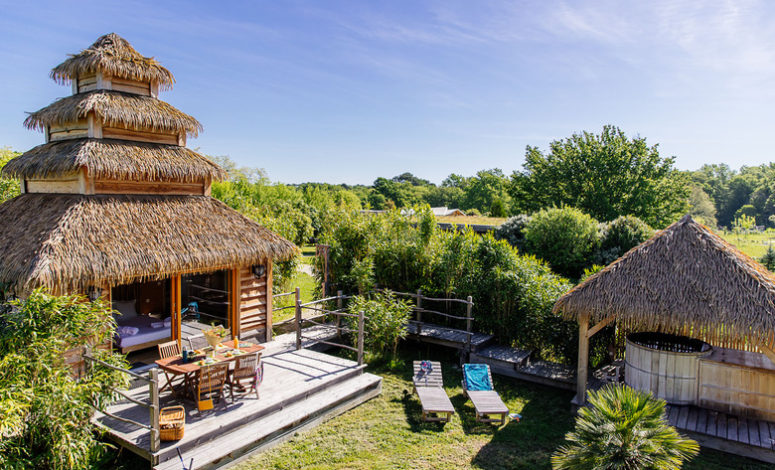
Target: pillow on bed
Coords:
[(126, 308)]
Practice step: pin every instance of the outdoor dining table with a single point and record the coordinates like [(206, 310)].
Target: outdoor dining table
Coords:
[(175, 365)]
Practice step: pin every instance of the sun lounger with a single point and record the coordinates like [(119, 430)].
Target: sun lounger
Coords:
[(428, 384), (477, 385)]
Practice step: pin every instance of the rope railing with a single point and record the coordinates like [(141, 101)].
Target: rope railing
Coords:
[(152, 380)]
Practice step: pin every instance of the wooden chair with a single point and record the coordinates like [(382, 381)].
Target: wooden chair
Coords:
[(486, 402), (209, 383), (246, 368), (197, 341), (171, 348), (429, 386)]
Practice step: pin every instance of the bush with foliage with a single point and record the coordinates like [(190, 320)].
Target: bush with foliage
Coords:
[(513, 231), (620, 235), (385, 323), (46, 411), (513, 294), (623, 429), (566, 238), (768, 259)]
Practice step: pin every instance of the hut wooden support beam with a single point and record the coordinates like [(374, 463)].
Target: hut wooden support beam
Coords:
[(602, 324), (234, 302), (581, 371), (175, 301)]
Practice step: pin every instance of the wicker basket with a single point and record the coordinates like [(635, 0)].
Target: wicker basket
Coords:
[(172, 421)]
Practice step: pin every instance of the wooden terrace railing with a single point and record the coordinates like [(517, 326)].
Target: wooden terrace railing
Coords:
[(152, 379)]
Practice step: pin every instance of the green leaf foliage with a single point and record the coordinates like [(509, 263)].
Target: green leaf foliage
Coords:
[(605, 175), (566, 238), (46, 410), (386, 317), (623, 428), (620, 235)]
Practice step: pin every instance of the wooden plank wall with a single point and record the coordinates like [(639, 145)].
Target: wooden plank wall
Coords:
[(88, 83), (142, 136), (738, 390), (130, 86), (102, 186), (75, 130), (254, 300)]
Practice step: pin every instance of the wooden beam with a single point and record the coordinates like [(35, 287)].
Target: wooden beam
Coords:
[(581, 371), (603, 323), (234, 302), (175, 303), (269, 297), (768, 351)]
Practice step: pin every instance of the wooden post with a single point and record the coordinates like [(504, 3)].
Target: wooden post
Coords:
[(469, 320), (338, 317), (360, 338), (419, 306), (176, 307), (269, 300), (581, 371), (153, 387), (298, 320), (234, 304)]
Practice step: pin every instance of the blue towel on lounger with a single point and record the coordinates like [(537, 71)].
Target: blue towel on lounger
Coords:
[(476, 377)]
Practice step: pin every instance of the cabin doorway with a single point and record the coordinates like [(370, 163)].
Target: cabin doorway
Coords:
[(144, 314), (204, 303)]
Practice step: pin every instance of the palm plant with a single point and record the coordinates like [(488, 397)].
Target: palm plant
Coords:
[(623, 428)]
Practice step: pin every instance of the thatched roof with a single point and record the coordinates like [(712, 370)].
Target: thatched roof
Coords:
[(114, 159), (69, 242), (116, 109), (685, 275), (113, 55)]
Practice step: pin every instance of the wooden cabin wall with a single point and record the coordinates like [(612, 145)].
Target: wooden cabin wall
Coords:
[(130, 86), (103, 186), (140, 136), (255, 302), (74, 130)]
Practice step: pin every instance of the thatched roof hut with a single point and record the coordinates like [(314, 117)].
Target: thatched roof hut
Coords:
[(685, 276), (687, 281), (114, 199)]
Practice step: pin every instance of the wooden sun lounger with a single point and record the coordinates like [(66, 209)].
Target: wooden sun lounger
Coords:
[(487, 403), (429, 388)]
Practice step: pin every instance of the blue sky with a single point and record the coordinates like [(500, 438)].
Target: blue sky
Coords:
[(346, 91)]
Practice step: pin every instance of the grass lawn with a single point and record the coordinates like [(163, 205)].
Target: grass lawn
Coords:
[(386, 433), (753, 244), (472, 220), (307, 285)]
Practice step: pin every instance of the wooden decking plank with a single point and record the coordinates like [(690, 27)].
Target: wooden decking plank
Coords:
[(732, 428), (702, 420), (672, 415), (683, 416), (765, 440), (742, 431), (753, 432), (721, 426), (691, 422)]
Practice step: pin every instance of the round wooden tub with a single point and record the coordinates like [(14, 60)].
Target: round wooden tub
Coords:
[(666, 365)]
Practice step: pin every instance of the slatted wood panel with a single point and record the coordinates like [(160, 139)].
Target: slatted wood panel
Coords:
[(253, 300), (88, 83), (671, 376), (147, 187), (131, 86), (141, 136), (450, 337), (66, 186), (738, 382), (75, 130)]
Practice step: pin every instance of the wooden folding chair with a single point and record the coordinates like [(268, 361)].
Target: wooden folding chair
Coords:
[(197, 342), (247, 368), (209, 385), (486, 402), (171, 348), (429, 386)]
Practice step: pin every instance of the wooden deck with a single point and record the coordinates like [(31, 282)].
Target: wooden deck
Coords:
[(516, 363), (445, 336), (300, 388), (734, 434)]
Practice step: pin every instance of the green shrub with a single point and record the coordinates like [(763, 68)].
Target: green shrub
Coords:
[(620, 235), (513, 231), (385, 323), (46, 412), (623, 429), (768, 259), (566, 238)]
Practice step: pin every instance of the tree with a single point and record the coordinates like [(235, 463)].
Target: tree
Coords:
[(9, 187), (46, 411), (701, 207), (623, 429), (566, 238), (484, 188), (605, 175)]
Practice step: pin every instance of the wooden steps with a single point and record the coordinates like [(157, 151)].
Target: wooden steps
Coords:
[(445, 336), (516, 363), (274, 428)]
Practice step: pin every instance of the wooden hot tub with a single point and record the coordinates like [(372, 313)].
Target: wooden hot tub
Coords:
[(666, 365)]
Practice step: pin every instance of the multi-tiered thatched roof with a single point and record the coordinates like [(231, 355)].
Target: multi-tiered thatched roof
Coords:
[(99, 211), (113, 54), (685, 277)]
